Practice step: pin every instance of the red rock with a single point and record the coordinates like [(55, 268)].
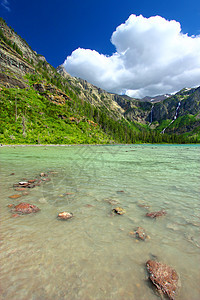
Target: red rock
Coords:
[(15, 215), (65, 215), (20, 189), (140, 233), (31, 180), (163, 277), (10, 205), (156, 214), (15, 196), (26, 208), (89, 205)]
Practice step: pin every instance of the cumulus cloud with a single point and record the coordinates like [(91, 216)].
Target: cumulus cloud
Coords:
[(152, 57), (5, 4)]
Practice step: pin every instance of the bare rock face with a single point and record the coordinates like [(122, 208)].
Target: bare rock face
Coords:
[(26, 208), (65, 215), (9, 81), (156, 214), (163, 277)]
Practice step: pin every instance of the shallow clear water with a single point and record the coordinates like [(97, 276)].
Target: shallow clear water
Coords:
[(93, 256)]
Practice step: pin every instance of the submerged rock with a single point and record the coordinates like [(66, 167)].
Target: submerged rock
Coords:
[(31, 180), (20, 189), (15, 196), (43, 174), (163, 277), (24, 183), (140, 233), (15, 215), (119, 210), (144, 206), (89, 205), (25, 193), (111, 201), (26, 208), (64, 215), (31, 185), (46, 179), (21, 184), (156, 214)]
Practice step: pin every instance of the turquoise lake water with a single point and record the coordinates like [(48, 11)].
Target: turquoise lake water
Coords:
[(93, 255)]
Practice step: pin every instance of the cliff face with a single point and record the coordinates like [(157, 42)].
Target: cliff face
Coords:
[(92, 94), (189, 104), (13, 67), (16, 58), (119, 106)]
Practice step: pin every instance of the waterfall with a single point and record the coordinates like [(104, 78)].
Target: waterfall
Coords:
[(175, 116), (177, 109), (151, 116)]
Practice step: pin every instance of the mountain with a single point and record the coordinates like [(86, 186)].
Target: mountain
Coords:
[(156, 98), (41, 104)]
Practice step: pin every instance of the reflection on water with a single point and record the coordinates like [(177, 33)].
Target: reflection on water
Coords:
[(93, 256)]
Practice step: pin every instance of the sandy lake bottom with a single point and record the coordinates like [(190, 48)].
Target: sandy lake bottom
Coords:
[(93, 255)]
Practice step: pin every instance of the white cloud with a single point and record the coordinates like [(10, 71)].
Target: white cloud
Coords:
[(152, 57), (5, 4)]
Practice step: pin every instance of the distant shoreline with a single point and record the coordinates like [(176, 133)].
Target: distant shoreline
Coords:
[(60, 145), (69, 145)]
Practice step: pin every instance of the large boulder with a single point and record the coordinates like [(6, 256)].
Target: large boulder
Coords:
[(163, 277), (26, 208)]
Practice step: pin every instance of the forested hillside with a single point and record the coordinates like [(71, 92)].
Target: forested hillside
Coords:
[(42, 105)]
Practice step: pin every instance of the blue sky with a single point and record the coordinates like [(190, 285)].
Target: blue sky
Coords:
[(57, 28)]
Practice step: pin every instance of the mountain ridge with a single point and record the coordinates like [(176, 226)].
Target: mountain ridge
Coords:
[(119, 118)]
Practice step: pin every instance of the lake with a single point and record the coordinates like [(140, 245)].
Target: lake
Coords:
[(94, 255)]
